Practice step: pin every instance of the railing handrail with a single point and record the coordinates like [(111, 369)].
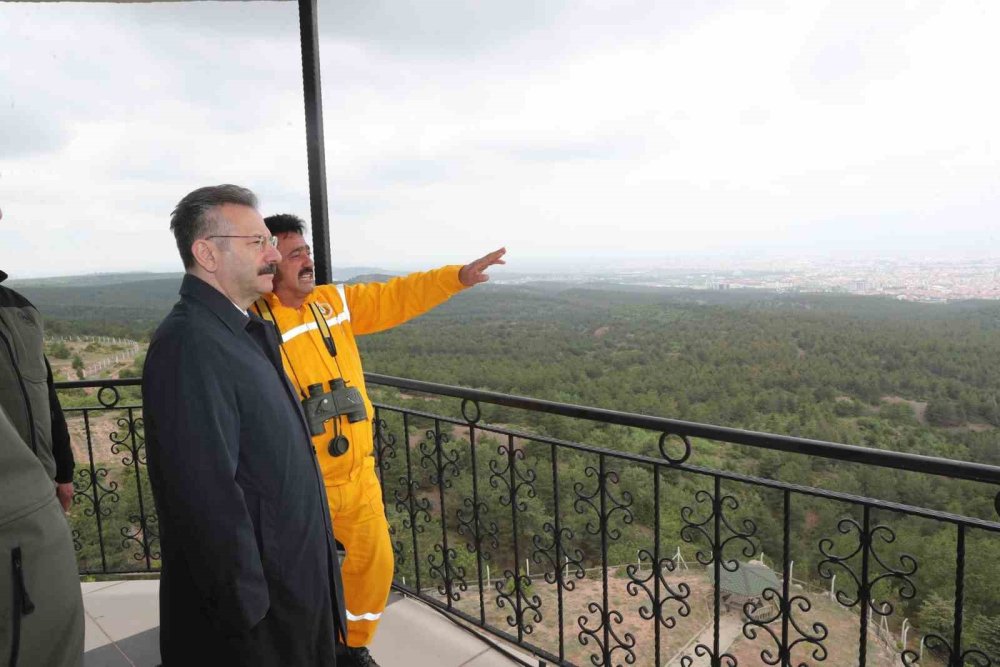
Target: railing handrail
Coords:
[(106, 382), (932, 465)]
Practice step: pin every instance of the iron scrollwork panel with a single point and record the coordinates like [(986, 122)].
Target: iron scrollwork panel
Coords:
[(130, 441), (973, 657), (954, 650), (474, 524), (722, 537), (865, 582), (775, 605), (693, 528), (788, 609), (472, 516), (612, 644), (515, 483), (546, 551), (385, 447), (385, 454), (659, 606), (874, 570), (90, 488), (142, 534), (415, 510), (443, 465)]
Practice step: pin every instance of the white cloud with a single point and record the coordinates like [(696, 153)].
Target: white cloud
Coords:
[(633, 128)]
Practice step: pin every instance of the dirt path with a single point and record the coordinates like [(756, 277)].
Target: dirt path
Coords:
[(730, 627)]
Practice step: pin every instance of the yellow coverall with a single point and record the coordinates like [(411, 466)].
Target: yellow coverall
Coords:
[(352, 486)]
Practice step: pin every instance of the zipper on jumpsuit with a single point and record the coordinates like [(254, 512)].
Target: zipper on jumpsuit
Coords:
[(22, 604)]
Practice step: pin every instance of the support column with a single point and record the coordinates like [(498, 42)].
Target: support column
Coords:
[(315, 148)]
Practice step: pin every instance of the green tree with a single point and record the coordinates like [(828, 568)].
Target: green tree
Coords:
[(936, 616), (985, 631), (60, 351)]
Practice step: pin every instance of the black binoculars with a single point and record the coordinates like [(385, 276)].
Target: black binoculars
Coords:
[(321, 406)]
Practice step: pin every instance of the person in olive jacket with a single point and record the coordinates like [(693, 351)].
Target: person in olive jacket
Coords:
[(249, 564), (41, 610), (27, 391)]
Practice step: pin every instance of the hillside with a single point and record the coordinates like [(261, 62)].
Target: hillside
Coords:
[(874, 372), (128, 305)]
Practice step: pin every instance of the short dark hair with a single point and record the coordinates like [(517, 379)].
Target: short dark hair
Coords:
[(197, 215), (282, 223)]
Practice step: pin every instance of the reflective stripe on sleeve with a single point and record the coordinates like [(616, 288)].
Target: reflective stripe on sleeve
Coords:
[(362, 617), (310, 326)]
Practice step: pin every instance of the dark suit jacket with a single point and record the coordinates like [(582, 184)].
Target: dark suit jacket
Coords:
[(250, 574)]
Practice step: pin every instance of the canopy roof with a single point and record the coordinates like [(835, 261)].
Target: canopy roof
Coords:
[(749, 580)]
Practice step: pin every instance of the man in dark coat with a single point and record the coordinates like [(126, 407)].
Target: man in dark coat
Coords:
[(250, 573)]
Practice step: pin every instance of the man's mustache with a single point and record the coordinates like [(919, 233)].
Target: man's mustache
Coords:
[(268, 270), (305, 272)]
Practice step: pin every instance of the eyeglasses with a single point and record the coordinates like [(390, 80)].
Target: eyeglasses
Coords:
[(258, 239)]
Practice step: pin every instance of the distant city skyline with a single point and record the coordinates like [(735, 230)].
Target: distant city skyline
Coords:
[(913, 280), (605, 265), (574, 133)]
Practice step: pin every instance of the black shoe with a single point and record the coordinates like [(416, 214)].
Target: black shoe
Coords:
[(355, 657)]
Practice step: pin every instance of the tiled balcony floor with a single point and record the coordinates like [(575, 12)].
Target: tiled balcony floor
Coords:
[(123, 631)]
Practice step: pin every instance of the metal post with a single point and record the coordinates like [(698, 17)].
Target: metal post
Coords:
[(884, 622), (315, 148)]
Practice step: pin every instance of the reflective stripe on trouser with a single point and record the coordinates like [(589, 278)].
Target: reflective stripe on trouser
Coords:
[(359, 524)]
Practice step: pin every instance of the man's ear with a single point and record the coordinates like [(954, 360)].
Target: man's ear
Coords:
[(206, 255)]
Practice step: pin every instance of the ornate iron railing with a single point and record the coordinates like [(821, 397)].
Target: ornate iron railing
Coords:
[(112, 518), (640, 548), (644, 551)]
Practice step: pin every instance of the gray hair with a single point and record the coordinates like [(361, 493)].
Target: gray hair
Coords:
[(197, 215)]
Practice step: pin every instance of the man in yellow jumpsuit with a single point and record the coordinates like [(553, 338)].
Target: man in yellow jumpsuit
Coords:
[(318, 325)]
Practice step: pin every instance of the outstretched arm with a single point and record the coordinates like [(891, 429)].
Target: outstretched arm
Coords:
[(379, 306)]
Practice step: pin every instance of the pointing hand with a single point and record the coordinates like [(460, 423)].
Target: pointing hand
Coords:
[(474, 272)]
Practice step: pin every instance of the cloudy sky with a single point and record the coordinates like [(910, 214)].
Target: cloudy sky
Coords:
[(570, 131)]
